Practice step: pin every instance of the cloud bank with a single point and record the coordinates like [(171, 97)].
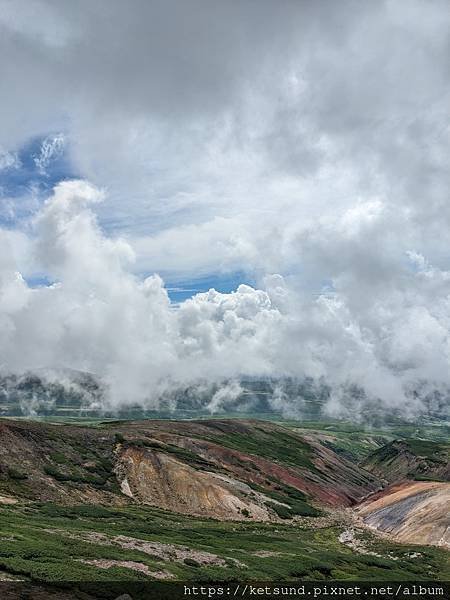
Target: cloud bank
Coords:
[(304, 144), (389, 341)]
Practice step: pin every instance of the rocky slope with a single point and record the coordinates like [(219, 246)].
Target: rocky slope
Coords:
[(412, 512), (161, 480), (228, 470), (266, 456), (222, 469)]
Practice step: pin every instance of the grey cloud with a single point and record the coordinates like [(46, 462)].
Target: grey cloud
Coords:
[(308, 139)]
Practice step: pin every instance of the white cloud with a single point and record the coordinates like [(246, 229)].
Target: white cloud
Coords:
[(51, 148), (101, 318), (8, 160), (224, 397), (300, 146)]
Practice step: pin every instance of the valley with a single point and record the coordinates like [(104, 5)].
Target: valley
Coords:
[(221, 499)]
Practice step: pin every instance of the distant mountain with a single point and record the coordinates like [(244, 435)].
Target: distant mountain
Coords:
[(66, 392), (48, 392)]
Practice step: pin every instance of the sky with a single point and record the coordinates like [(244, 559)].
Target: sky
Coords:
[(200, 190)]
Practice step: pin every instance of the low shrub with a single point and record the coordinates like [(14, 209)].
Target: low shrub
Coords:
[(16, 474)]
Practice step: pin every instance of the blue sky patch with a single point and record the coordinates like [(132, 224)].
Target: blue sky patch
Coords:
[(180, 291), (39, 166)]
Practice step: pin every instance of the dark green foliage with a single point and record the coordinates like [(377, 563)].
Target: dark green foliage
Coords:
[(277, 445), (295, 499), (74, 477), (47, 542), (16, 474), (88, 511), (283, 512), (424, 460), (425, 478), (42, 541), (180, 453), (191, 562), (433, 451), (59, 458), (53, 472), (428, 449)]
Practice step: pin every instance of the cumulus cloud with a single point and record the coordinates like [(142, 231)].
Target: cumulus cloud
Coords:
[(99, 317), (305, 144)]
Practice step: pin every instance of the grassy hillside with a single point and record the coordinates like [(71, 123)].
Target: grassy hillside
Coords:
[(423, 460), (136, 500), (67, 464), (47, 542)]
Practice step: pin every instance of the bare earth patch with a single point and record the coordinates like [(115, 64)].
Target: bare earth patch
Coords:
[(8, 500), (160, 480), (412, 512), (128, 564), (266, 553), (158, 550), (350, 539)]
